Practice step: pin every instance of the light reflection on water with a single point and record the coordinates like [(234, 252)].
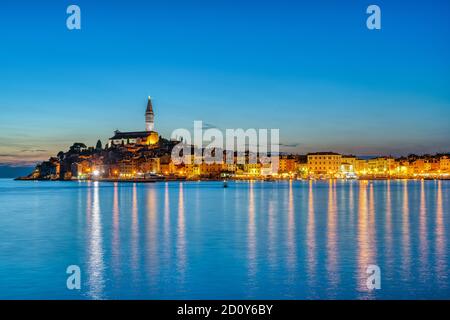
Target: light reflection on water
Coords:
[(166, 248), (252, 262), (365, 247), (116, 233), (406, 244), (310, 243), (441, 237), (332, 239), (389, 247), (291, 255), (96, 269), (152, 263), (181, 238), (423, 245), (134, 246), (295, 240)]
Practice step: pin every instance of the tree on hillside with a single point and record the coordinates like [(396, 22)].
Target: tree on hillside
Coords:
[(60, 155)]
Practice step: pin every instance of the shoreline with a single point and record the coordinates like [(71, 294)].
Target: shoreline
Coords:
[(222, 180)]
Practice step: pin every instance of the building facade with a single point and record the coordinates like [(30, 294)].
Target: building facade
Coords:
[(324, 163), (444, 164), (148, 137)]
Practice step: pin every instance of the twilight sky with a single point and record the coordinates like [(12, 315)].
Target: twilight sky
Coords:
[(310, 68)]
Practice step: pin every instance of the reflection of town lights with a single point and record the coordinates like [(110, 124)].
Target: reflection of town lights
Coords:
[(96, 173)]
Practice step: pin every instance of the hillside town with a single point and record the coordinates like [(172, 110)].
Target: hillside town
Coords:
[(146, 156)]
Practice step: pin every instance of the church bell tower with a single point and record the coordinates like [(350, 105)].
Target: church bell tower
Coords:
[(149, 116)]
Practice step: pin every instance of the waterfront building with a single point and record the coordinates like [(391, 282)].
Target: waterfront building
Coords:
[(324, 163), (361, 166), (113, 171), (287, 164), (420, 166), (253, 169), (211, 169), (150, 165), (347, 171), (444, 164), (390, 164), (349, 160), (372, 165), (229, 167), (127, 167), (381, 166), (167, 166), (435, 165), (189, 170), (81, 169), (77, 170), (270, 169), (403, 168), (348, 166)]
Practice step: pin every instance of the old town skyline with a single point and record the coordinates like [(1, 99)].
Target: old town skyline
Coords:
[(149, 125), (329, 87), (147, 156)]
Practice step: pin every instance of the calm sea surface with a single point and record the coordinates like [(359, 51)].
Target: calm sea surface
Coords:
[(197, 240)]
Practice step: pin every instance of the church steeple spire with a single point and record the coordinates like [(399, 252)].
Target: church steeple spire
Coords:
[(149, 105), (149, 116)]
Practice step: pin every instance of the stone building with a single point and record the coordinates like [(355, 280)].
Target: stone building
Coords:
[(147, 137)]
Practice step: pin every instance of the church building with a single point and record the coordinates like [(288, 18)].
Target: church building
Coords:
[(147, 137)]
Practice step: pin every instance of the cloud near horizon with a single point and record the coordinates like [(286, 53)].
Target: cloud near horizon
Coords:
[(24, 157)]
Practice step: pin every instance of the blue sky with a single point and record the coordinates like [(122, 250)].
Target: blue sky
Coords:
[(310, 68)]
